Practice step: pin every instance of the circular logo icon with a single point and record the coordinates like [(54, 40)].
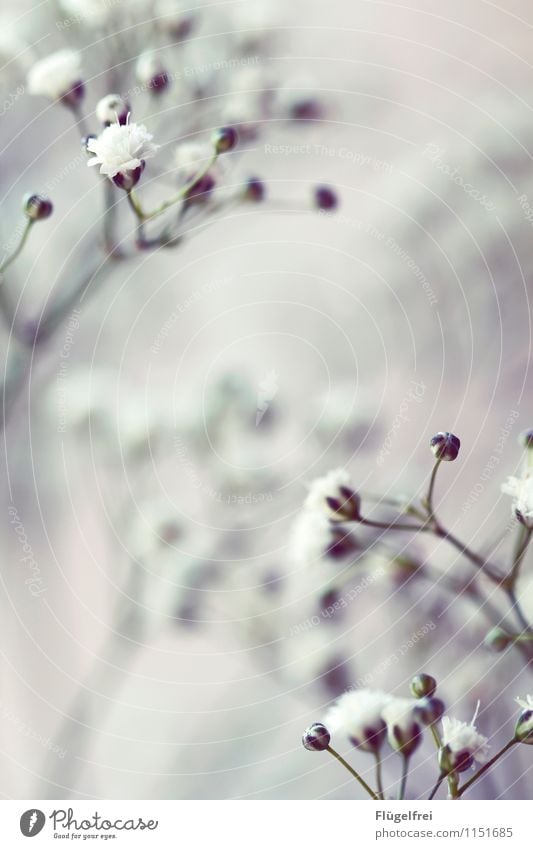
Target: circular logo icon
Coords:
[(32, 822)]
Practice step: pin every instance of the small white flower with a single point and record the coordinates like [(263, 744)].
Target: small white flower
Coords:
[(526, 702), (120, 149), (112, 109), (92, 13), (55, 76), (521, 490), (464, 742), (310, 539), (149, 67), (336, 484), (403, 728), (358, 714)]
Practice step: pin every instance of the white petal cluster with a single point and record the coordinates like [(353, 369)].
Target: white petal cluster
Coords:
[(400, 713), (463, 737), (148, 66), (93, 13), (56, 75), (358, 713), (121, 148), (526, 702), (521, 491), (327, 486)]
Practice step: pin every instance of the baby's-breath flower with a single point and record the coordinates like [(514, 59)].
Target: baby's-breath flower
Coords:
[(174, 17), (334, 495), (58, 77), (92, 12), (521, 491), (120, 152), (112, 109), (526, 702), (358, 715), (403, 729), (462, 745), (151, 72)]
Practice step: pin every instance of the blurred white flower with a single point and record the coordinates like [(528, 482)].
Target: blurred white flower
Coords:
[(328, 486), (55, 76), (190, 158), (112, 109), (91, 12), (403, 729), (521, 491), (150, 71), (174, 17), (464, 742), (358, 714), (121, 148), (310, 538)]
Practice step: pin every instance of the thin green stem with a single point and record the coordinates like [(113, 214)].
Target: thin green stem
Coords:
[(392, 526), (431, 489), (519, 553), (405, 775), (480, 562), (520, 616), (12, 257), (435, 790), (379, 776), (353, 773), (486, 767), (149, 216)]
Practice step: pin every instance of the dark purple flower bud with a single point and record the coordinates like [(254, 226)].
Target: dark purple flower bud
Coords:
[(429, 710), (325, 198), (37, 208), (526, 438), (74, 95), (255, 190), (316, 738), (445, 445), (128, 179), (224, 139), (524, 727), (346, 506)]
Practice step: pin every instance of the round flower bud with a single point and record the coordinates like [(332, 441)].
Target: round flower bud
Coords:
[(37, 208), (346, 507), (445, 445), (429, 710), (112, 109), (325, 198), (224, 139), (526, 438), (423, 685), (524, 727), (255, 190), (497, 640), (316, 738)]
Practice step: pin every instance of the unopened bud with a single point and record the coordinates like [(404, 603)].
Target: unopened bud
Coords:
[(325, 198), (224, 139), (316, 738), (524, 727), (429, 710), (445, 445), (37, 208), (112, 109), (346, 507), (423, 685)]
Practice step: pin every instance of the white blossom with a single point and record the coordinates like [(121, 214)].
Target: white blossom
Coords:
[(327, 486), (359, 715), (112, 109), (56, 75), (121, 149), (403, 729), (526, 702), (310, 538), (521, 491), (92, 13), (148, 66), (462, 738)]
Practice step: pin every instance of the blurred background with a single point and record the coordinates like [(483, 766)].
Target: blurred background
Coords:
[(163, 629)]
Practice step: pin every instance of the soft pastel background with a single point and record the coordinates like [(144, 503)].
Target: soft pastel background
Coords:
[(165, 658)]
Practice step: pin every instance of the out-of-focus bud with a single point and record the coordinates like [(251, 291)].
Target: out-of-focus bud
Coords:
[(151, 72), (224, 139), (316, 738), (445, 445), (37, 208), (498, 640), (112, 109), (450, 761), (325, 198), (346, 506), (174, 18), (255, 190), (526, 438), (429, 710), (423, 685)]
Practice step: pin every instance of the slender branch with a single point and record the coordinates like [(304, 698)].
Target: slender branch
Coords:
[(405, 774), (435, 790), (353, 773), (431, 489), (486, 767), (12, 257), (155, 213), (519, 613), (379, 777)]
